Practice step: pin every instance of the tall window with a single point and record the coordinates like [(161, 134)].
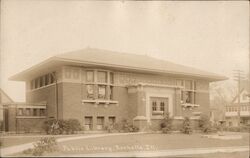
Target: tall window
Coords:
[(188, 94), (101, 91), (90, 76), (98, 85), (90, 91), (162, 106), (154, 106)]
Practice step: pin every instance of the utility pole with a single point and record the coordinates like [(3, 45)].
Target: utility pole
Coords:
[(238, 76)]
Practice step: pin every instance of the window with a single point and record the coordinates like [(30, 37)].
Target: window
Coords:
[(100, 123), (111, 120), (90, 76), (35, 113), (188, 85), (52, 77), (99, 84), (162, 106), (75, 74), (28, 112), (111, 93), (42, 112), (36, 83), (88, 122), (179, 82), (42, 81), (20, 112), (90, 91), (154, 106), (46, 79), (111, 76), (102, 77), (187, 97), (101, 91)]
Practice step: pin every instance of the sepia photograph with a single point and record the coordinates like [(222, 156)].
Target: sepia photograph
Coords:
[(124, 78)]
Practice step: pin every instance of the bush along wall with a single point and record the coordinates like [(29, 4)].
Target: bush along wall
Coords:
[(68, 126), (186, 126), (166, 125)]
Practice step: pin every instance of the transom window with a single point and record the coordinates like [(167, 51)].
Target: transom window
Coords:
[(90, 76)]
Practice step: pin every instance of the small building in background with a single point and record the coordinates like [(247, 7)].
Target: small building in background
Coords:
[(231, 113)]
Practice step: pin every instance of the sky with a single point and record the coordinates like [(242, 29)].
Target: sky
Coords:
[(210, 35)]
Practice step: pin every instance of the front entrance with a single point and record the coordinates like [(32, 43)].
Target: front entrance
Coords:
[(159, 106)]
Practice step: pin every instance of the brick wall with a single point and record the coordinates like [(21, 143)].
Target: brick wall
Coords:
[(30, 124)]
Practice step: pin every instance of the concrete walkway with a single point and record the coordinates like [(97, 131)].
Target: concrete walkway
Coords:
[(164, 153), (19, 148)]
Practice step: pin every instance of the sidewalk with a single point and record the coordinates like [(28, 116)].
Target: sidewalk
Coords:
[(171, 152)]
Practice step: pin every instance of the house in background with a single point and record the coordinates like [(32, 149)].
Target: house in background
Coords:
[(101, 87), (4, 99), (232, 109)]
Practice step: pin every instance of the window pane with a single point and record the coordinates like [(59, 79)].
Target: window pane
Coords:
[(88, 123), (101, 91), (111, 120), (154, 106), (188, 84), (111, 77), (42, 112), (34, 112), (102, 77), (27, 112), (162, 106), (20, 112), (179, 82), (90, 91), (111, 93), (90, 76), (46, 79)]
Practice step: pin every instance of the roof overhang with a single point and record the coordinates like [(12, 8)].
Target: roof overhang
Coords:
[(55, 62)]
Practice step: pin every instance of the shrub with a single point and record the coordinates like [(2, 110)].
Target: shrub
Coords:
[(166, 125), (206, 125), (122, 126), (1, 125), (61, 126), (186, 126), (45, 144)]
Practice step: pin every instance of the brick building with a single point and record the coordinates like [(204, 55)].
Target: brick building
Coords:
[(101, 87)]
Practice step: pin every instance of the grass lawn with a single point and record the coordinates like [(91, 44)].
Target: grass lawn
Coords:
[(147, 142), (17, 140)]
